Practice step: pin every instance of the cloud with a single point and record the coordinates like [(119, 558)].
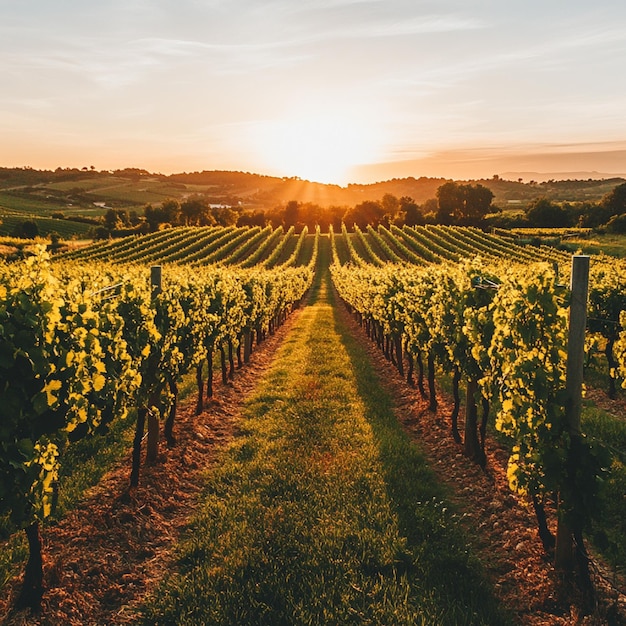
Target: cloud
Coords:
[(239, 38), (418, 25), (387, 28), (114, 64)]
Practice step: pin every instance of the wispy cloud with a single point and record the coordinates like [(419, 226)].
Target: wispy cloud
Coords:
[(419, 25), (390, 27), (262, 36), (565, 52), (116, 64)]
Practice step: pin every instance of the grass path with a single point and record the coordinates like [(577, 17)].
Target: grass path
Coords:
[(322, 511)]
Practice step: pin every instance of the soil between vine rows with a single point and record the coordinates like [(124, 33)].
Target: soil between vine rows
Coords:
[(103, 558), (501, 528)]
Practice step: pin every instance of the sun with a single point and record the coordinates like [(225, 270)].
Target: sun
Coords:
[(317, 147)]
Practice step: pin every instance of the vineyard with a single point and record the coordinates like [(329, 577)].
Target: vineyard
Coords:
[(94, 343)]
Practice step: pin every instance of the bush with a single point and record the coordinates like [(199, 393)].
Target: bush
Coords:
[(542, 213), (617, 224), (27, 230)]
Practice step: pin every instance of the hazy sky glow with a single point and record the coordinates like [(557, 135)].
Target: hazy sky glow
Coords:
[(330, 90)]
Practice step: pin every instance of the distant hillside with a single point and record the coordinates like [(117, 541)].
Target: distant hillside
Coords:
[(269, 191), (507, 191), (542, 177), (85, 192)]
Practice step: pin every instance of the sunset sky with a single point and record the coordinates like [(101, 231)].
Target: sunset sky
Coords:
[(329, 90)]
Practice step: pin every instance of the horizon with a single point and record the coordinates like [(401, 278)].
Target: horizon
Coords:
[(513, 177), (337, 92), (390, 171)]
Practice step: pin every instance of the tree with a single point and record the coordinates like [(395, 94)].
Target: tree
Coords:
[(592, 215), (254, 218), (291, 213), (153, 215), (466, 205), (450, 202), (312, 214), (617, 224), (368, 212), (391, 207), (613, 203), (477, 204), (27, 230), (55, 240), (114, 219), (543, 213), (224, 215), (133, 218), (336, 215), (615, 200), (171, 211), (100, 232), (195, 211), (411, 212), (429, 210)]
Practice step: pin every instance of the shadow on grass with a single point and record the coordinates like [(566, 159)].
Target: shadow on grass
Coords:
[(437, 558)]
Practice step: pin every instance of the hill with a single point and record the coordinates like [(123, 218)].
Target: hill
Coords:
[(89, 193)]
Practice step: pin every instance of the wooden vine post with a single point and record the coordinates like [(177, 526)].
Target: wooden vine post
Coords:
[(152, 446), (567, 531)]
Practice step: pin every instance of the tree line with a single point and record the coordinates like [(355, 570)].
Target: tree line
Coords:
[(454, 204), (609, 213), (461, 204), (195, 211)]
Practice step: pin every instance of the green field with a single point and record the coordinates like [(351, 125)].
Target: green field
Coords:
[(46, 225), (77, 196), (12, 202), (595, 243)]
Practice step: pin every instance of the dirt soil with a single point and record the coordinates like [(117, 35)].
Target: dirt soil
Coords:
[(501, 527), (103, 559)]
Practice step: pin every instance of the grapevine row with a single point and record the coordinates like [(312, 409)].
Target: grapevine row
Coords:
[(501, 327), (443, 244), (84, 343), (240, 246)]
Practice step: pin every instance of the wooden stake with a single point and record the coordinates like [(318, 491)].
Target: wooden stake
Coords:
[(579, 285), (156, 277), (154, 404)]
